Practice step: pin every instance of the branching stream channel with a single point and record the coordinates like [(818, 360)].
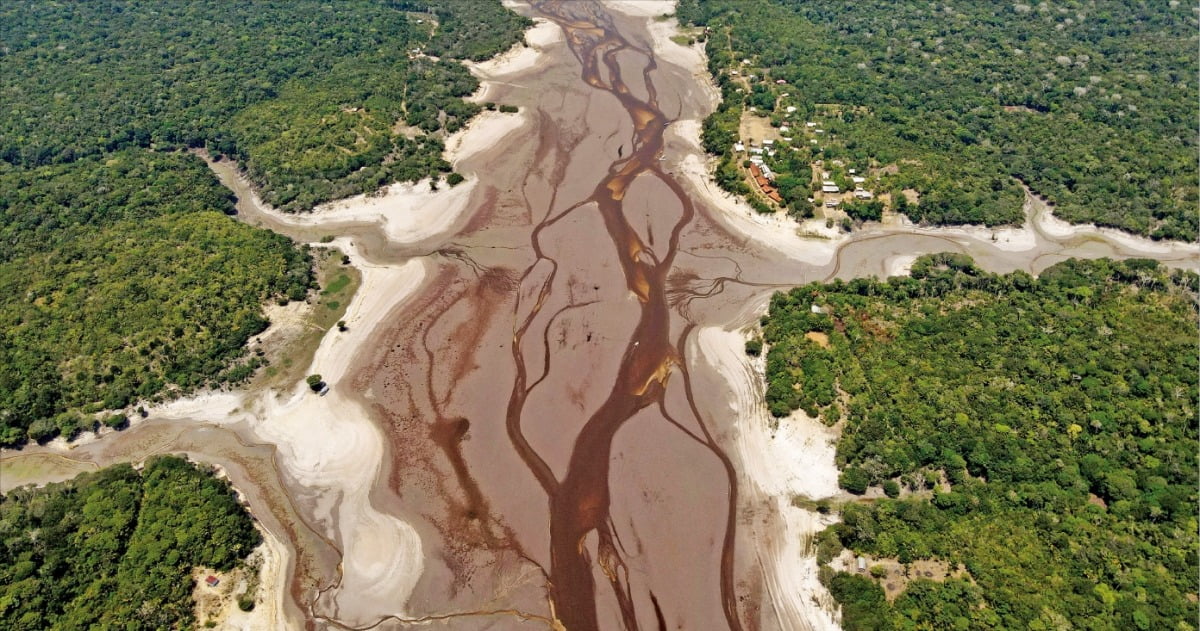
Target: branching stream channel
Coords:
[(528, 424)]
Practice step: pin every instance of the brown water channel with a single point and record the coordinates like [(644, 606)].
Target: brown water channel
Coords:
[(562, 460)]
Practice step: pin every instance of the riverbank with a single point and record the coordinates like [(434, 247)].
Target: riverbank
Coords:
[(323, 491), (781, 460)]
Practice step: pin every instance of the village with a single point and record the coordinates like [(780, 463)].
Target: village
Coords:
[(781, 158)]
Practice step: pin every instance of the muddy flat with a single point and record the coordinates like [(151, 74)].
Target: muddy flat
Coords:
[(541, 415)]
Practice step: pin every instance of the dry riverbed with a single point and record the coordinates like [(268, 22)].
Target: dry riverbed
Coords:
[(541, 411)]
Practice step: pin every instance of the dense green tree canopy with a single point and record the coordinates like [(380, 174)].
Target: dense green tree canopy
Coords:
[(1092, 104), (1043, 432), (115, 549), (306, 93), (121, 277)]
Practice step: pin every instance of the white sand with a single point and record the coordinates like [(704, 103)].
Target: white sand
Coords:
[(330, 445), (783, 234), (661, 31), (798, 458), (521, 57), (795, 460), (405, 212), (272, 577), (488, 129), (900, 265), (1043, 220), (642, 8), (1006, 238)]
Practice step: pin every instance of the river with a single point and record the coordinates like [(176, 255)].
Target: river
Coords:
[(530, 425)]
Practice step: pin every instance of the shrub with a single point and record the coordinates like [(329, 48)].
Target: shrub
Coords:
[(854, 480), (754, 347)]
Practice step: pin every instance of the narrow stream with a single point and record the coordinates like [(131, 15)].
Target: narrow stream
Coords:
[(555, 453)]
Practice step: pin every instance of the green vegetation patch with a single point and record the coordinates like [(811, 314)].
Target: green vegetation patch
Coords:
[(124, 278), (1091, 104), (115, 549), (304, 93), (1042, 433)]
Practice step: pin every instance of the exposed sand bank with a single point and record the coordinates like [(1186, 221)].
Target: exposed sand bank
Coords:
[(900, 265), (795, 460), (1008, 247), (523, 56), (331, 447)]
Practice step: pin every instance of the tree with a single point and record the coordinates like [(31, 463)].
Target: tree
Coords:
[(854, 480)]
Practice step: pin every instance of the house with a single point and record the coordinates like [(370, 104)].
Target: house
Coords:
[(831, 203), (818, 131), (791, 109), (780, 82), (766, 171), (756, 151), (737, 146), (852, 171), (754, 170), (816, 309), (734, 73), (861, 194), (768, 142), (857, 179), (774, 196), (212, 581), (762, 181), (784, 129), (862, 565), (756, 160), (829, 188), (810, 124)]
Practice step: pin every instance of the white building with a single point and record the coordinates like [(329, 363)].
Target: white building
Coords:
[(737, 146)]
